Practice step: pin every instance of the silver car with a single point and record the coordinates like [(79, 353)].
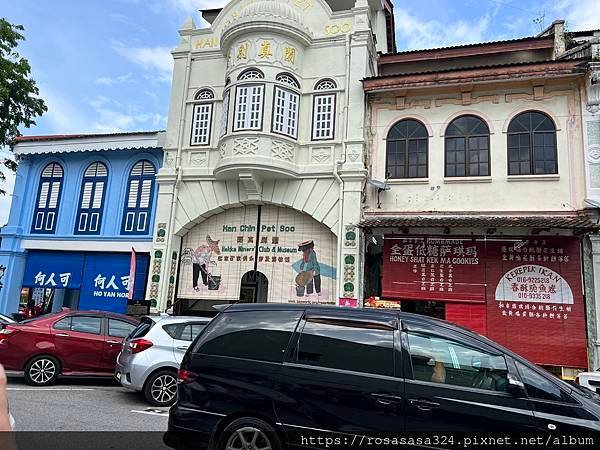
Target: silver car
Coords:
[(151, 354)]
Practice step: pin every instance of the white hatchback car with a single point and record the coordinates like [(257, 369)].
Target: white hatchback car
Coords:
[(590, 380), (151, 354)]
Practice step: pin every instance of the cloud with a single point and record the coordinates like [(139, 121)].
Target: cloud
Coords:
[(63, 116), (109, 81), (415, 33), (113, 116), (579, 14), (156, 60)]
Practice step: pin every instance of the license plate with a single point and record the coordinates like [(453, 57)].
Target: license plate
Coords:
[(118, 376)]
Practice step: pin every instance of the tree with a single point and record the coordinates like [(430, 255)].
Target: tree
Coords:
[(19, 101)]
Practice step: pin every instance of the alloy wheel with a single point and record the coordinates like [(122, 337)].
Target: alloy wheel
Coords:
[(248, 438), (164, 388), (42, 370)]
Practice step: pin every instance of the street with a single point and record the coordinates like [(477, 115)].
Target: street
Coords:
[(81, 405)]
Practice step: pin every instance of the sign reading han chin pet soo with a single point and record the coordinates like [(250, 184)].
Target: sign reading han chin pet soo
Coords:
[(293, 251)]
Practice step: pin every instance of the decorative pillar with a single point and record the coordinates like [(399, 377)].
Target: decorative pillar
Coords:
[(592, 286)]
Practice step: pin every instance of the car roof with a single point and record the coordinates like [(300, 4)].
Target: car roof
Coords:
[(178, 319), (380, 313)]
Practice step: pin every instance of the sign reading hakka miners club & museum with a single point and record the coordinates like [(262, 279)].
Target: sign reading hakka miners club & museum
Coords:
[(530, 288), (293, 251)]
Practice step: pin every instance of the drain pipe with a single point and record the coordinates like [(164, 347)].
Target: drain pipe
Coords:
[(179, 173), (337, 163)]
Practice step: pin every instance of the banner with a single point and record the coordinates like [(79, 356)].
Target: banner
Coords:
[(53, 270), (433, 268)]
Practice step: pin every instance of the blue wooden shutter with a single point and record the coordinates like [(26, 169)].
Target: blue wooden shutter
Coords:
[(91, 200), (48, 200), (138, 202)]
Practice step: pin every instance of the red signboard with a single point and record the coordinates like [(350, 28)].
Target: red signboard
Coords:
[(531, 287), (433, 268)]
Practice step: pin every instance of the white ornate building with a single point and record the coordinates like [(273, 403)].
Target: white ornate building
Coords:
[(264, 151)]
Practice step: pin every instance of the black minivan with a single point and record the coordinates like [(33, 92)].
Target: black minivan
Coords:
[(261, 375)]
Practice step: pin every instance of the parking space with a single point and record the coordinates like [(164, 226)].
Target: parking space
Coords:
[(82, 405)]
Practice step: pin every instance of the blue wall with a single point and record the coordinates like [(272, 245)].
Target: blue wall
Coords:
[(74, 164)]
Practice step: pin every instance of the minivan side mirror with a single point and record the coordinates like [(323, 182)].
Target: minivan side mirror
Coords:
[(515, 387)]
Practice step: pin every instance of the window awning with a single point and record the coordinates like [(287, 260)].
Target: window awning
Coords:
[(580, 223)]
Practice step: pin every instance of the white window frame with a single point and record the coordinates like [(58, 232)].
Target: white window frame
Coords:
[(224, 113), (248, 113), (321, 132), (201, 124), (285, 114)]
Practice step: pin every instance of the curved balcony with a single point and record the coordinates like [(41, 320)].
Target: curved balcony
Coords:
[(266, 156)]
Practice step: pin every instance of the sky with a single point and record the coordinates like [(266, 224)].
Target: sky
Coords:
[(105, 65)]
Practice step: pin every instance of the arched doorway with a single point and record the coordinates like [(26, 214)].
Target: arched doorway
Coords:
[(254, 287)]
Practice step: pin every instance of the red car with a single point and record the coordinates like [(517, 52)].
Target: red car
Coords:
[(69, 343)]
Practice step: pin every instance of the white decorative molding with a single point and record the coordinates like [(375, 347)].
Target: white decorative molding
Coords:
[(353, 155), (593, 155), (199, 159), (252, 185), (169, 159), (282, 150), (222, 150), (245, 146), (593, 88), (321, 155)]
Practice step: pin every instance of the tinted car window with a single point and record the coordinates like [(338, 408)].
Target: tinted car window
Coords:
[(86, 324), (441, 360), (196, 329), (261, 335), (348, 346), (63, 324), (119, 328), (184, 331), (172, 330), (142, 329), (539, 387)]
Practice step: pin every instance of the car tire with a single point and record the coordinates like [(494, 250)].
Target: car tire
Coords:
[(42, 371), (250, 433), (161, 388)]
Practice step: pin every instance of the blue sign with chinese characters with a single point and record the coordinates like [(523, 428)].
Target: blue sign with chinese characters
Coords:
[(103, 278), (54, 270)]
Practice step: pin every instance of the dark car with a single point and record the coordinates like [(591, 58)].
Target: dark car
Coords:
[(260, 374), (68, 343)]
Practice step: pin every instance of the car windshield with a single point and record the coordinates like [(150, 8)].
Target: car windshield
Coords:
[(142, 329)]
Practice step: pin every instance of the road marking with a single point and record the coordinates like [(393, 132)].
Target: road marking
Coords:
[(152, 412), (48, 389)]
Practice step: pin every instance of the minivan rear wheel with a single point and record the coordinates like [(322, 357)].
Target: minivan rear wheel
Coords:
[(161, 388), (42, 371), (249, 433)]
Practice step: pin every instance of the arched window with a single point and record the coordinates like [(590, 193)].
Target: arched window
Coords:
[(249, 100), (138, 203), (326, 84), (48, 199), (251, 74), (467, 147), (285, 106), (91, 199), (323, 127), (287, 79), (202, 117), (406, 150), (532, 145)]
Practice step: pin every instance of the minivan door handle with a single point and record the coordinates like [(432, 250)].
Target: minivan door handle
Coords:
[(423, 405), (387, 399)]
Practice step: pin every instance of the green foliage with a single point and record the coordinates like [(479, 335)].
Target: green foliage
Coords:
[(19, 101)]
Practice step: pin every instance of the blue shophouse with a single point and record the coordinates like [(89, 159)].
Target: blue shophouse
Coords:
[(81, 222)]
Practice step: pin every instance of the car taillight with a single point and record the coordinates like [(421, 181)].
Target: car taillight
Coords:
[(185, 376), (139, 345), (577, 379)]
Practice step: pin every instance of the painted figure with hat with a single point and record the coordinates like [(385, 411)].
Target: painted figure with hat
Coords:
[(309, 278)]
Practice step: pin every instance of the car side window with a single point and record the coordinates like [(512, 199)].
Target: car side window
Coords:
[(172, 330), (259, 335), (87, 324), (196, 329), (63, 324), (541, 388), (440, 360), (119, 328), (347, 345)]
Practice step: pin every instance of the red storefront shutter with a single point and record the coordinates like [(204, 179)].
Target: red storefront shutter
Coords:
[(468, 315)]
